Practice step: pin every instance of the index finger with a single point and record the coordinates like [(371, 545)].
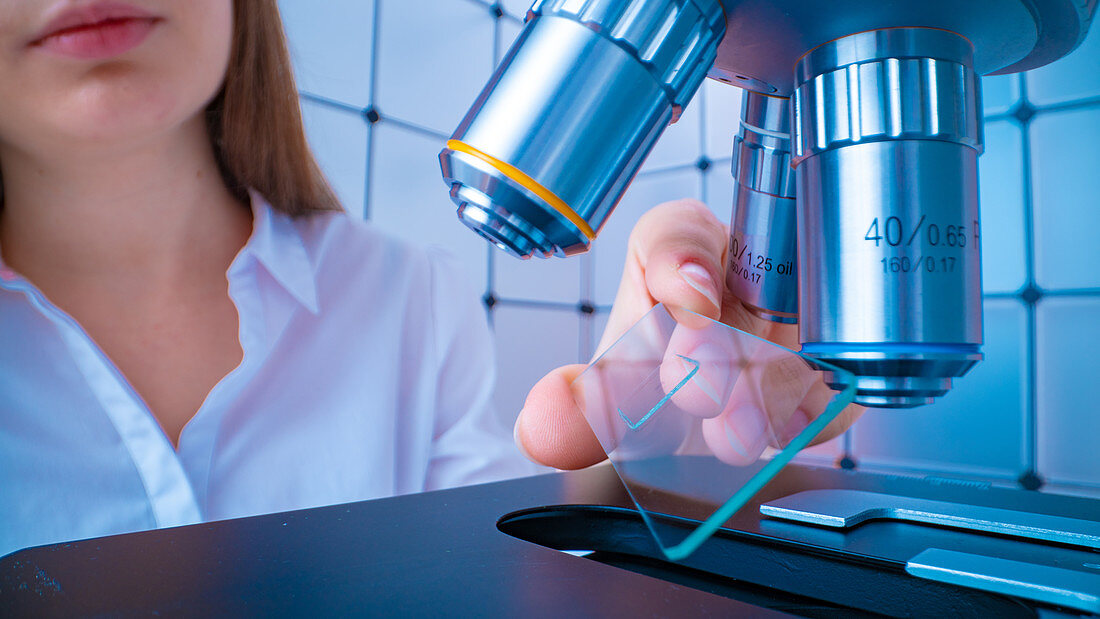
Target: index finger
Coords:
[(675, 256)]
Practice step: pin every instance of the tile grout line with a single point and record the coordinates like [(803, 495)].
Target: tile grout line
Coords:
[(588, 321), (918, 472), (372, 80), (671, 169), (1022, 114), (1072, 292), (413, 127), (368, 173), (1066, 106), (374, 47), (327, 102), (704, 193), (490, 251), (1030, 479), (564, 306)]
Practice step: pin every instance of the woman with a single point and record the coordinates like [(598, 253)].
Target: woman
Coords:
[(152, 153)]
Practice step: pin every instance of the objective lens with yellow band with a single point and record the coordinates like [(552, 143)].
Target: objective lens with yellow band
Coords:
[(528, 183), (574, 108)]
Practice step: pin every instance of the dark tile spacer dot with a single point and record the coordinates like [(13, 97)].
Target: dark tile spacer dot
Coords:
[(496, 11), (372, 115), (586, 308), (1031, 294), (489, 300), (1023, 112), (1030, 481), (847, 462), (703, 163)]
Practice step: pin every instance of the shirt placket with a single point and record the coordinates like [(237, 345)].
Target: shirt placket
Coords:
[(199, 437), (167, 487)]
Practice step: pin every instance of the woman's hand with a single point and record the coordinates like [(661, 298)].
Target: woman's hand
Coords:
[(676, 255)]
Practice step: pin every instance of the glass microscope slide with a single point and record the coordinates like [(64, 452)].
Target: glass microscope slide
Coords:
[(696, 417)]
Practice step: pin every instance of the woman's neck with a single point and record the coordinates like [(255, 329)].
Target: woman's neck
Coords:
[(155, 213)]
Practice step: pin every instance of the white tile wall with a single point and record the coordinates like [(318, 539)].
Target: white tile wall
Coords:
[(1040, 211), (508, 30), (517, 8), (1002, 208), (1067, 197), (824, 454), (681, 143), (1069, 389), (530, 343), (718, 189), (1076, 76), (1087, 491), (330, 43), (999, 93), (409, 199), (538, 279), (598, 324), (977, 428), (338, 138), (433, 59), (723, 112)]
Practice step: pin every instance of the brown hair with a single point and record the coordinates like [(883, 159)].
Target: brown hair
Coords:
[(255, 122)]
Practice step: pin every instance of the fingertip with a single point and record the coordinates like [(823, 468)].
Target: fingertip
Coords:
[(738, 436), (551, 429), (518, 439), (841, 424)]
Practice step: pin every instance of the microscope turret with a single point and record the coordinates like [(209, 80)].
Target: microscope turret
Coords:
[(863, 117)]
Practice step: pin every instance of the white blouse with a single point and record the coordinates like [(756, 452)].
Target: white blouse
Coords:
[(367, 372)]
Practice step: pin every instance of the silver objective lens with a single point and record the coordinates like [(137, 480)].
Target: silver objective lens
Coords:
[(760, 269), (885, 131), (554, 139), (887, 135)]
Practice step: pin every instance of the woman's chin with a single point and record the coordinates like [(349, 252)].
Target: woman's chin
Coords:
[(122, 101), (122, 125), (108, 136)]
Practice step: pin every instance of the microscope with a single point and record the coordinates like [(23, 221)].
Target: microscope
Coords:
[(855, 167), (855, 216)]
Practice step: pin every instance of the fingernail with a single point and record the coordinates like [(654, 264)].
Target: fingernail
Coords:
[(519, 443), (698, 278)]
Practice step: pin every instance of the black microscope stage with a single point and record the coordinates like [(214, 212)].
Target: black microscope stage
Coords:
[(490, 550)]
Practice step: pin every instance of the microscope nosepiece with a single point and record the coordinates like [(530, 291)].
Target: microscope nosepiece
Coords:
[(760, 267), (887, 132), (554, 139)]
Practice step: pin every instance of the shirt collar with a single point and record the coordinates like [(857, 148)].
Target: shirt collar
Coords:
[(277, 244)]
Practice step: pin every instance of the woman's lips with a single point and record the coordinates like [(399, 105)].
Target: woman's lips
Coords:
[(96, 31)]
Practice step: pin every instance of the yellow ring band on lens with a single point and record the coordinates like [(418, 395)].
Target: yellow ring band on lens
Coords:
[(528, 183)]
